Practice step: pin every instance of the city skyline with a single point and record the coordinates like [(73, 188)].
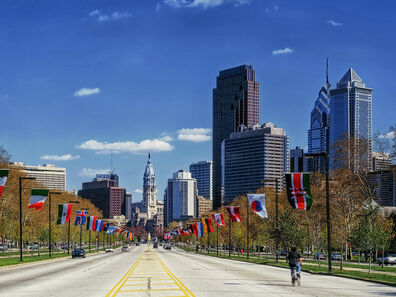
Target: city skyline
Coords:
[(72, 99)]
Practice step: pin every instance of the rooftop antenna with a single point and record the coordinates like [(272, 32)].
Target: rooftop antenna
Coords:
[(111, 159), (327, 70)]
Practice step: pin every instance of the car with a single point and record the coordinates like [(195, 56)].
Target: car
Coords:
[(125, 249), (282, 253), (155, 245), (109, 250), (321, 256), (390, 259), (137, 243), (167, 246), (336, 256), (78, 253), (3, 247)]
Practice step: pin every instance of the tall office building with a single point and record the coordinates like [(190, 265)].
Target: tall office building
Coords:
[(180, 197), (351, 117), (48, 175), (203, 172), (128, 206), (381, 161), (105, 194), (149, 191), (298, 162), (318, 134), (235, 102), (253, 158)]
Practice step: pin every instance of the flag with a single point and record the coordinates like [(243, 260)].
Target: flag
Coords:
[(149, 237), (3, 179), (91, 223), (257, 203), (298, 191), (38, 198), (105, 227), (209, 224), (219, 219), (234, 214), (81, 217), (195, 229), (110, 229), (200, 229), (64, 213), (205, 227), (99, 225)]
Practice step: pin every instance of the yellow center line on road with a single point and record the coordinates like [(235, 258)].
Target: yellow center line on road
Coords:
[(150, 271)]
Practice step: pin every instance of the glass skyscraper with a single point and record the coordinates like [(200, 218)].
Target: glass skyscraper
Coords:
[(318, 134), (235, 102), (351, 114)]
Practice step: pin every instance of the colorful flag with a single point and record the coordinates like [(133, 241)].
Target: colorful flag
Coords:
[(64, 213), (209, 224), (257, 203), (91, 223), (234, 214), (111, 229), (195, 229), (99, 225), (219, 219), (205, 228), (3, 179), (81, 217), (298, 191), (38, 198), (200, 229)]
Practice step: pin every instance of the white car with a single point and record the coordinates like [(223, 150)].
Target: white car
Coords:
[(390, 259), (109, 250)]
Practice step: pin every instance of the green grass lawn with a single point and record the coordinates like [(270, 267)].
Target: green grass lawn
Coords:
[(384, 278)]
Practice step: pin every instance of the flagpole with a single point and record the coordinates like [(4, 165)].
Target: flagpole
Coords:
[(247, 228), (49, 222), (81, 234), (89, 244), (68, 239), (229, 236), (276, 223), (208, 237), (20, 216), (217, 241)]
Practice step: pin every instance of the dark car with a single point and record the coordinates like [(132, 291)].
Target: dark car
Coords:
[(167, 246), (155, 245), (336, 256), (125, 249), (78, 253), (137, 243)]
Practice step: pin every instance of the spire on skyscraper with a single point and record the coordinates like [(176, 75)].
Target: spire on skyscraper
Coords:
[(327, 70)]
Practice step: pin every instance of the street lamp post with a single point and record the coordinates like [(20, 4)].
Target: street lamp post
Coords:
[(20, 214), (68, 232), (49, 222), (328, 218), (81, 229)]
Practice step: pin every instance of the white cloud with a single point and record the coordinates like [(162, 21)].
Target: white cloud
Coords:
[(194, 134), (66, 157), (86, 92), (138, 191), (145, 146), (103, 17), (334, 23), (276, 7), (389, 135), (286, 50), (203, 3), (89, 172)]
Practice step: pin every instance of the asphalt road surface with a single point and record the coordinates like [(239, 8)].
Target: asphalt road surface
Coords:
[(155, 272)]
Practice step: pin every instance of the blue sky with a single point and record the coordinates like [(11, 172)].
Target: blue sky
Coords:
[(78, 75)]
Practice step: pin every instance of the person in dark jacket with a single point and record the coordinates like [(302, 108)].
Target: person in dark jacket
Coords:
[(295, 261)]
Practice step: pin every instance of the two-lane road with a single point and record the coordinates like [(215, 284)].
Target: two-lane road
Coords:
[(170, 273)]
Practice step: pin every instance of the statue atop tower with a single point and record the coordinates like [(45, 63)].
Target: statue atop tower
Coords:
[(149, 191)]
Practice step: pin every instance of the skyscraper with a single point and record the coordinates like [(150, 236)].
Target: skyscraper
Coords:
[(180, 197), (203, 172), (105, 194), (149, 191), (235, 102), (251, 156), (298, 162), (351, 116), (318, 134)]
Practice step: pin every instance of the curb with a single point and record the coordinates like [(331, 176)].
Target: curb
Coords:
[(302, 269)]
